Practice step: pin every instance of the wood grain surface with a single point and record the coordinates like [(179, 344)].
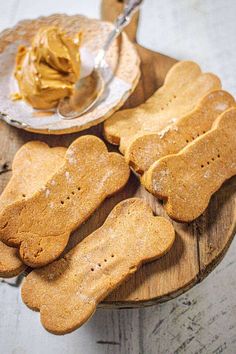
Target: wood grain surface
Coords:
[(199, 246)]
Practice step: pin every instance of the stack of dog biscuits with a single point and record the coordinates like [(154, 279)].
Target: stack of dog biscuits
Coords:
[(180, 142), (177, 122), (52, 191), (148, 148), (184, 86)]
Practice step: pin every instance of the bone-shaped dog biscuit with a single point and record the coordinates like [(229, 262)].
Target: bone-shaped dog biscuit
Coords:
[(147, 149), (34, 163), (41, 225), (187, 180), (67, 291), (184, 86)]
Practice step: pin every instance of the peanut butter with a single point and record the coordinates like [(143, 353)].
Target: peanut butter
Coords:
[(48, 69)]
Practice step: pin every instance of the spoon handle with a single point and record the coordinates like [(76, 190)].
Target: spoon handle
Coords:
[(131, 6)]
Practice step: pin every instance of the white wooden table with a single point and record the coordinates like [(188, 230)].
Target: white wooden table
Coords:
[(202, 320)]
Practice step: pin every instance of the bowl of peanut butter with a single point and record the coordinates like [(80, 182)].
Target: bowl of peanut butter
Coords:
[(42, 59)]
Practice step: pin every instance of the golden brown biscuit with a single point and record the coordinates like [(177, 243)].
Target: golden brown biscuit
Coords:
[(184, 86), (33, 165), (67, 291), (187, 180), (10, 263), (147, 149), (41, 225)]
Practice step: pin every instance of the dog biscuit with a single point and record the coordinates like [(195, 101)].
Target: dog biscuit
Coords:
[(184, 86), (67, 291), (40, 226), (147, 149), (33, 165), (187, 180)]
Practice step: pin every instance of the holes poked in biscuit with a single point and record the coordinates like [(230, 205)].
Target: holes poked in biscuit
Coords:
[(212, 159), (99, 265), (196, 136), (68, 197), (168, 103), (192, 138)]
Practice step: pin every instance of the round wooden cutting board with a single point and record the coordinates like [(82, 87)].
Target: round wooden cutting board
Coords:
[(199, 245)]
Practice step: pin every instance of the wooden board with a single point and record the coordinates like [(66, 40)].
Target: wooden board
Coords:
[(199, 246)]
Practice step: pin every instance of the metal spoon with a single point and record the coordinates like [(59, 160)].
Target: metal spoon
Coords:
[(90, 89)]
